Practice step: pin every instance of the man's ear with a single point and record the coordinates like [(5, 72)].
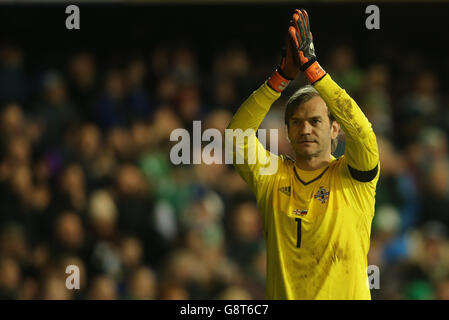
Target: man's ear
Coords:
[(286, 133), (335, 129)]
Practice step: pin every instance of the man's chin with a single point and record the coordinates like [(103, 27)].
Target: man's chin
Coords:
[(307, 152)]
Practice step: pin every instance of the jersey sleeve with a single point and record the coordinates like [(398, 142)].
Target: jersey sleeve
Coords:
[(253, 162), (361, 152)]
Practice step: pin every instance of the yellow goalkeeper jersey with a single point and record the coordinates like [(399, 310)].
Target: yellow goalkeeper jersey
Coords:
[(317, 224)]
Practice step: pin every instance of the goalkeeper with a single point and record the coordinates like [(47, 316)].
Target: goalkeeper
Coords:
[(316, 209)]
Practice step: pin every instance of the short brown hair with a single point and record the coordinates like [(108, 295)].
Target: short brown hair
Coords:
[(302, 95)]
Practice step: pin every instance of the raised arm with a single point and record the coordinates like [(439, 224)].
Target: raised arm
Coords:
[(361, 151), (248, 155), (248, 119)]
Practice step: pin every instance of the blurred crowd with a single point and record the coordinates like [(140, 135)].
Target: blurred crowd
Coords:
[(86, 178)]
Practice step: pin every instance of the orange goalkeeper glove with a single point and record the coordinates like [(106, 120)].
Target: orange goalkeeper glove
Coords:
[(299, 31), (287, 69), (299, 54)]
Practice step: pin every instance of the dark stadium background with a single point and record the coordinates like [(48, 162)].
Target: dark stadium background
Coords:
[(412, 40), (123, 28)]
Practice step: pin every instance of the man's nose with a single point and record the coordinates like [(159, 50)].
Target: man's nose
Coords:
[(305, 128)]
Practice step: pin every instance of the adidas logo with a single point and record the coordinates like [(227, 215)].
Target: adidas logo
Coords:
[(286, 190)]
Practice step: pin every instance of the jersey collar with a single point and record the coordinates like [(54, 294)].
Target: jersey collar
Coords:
[(309, 177)]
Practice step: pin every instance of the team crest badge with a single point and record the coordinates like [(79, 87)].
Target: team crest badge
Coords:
[(300, 212), (322, 195)]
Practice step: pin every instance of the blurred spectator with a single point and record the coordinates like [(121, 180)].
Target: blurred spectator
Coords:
[(119, 143), (165, 120), (105, 260), (13, 239), (344, 70), (110, 108), (29, 289), (182, 268), (235, 293), (245, 233), (73, 188), (138, 101), (142, 285), (420, 107), (184, 66), (188, 105), (131, 254), (136, 211), (55, 111), (397, 186), (436, 195), (160, 61), (172, 291), (103, 288), (166, 90), (435, 259), (10, 277), (256, 273), (83, 83), (13, 86), (97, 163), (233, 64), (218, 119), (375, 100), (54, 288), (225, 94), (442, 292), (12, 120), (69, 234), (103, 215)]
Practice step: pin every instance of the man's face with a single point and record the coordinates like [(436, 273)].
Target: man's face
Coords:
[(310, 131)]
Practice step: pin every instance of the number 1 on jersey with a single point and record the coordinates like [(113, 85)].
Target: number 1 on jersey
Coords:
[(298, 237)]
